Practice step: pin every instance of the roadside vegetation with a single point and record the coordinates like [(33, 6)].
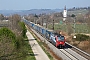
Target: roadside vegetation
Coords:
[(81, 37), (14, 44)]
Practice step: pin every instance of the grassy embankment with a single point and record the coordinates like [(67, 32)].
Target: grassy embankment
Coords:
[(42, 44), (30, 53)]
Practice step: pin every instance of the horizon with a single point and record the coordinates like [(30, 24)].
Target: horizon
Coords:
[(48, 8)]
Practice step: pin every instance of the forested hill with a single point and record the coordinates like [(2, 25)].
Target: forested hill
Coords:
[(32, 11)]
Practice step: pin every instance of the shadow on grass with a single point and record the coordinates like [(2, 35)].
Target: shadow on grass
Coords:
[(30, 39), (31, 54)]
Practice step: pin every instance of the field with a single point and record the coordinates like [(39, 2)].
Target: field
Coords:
[(79, 28), (76, 12)]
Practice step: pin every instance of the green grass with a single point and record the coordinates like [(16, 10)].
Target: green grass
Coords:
[(79, 28), (30, 55), (76, 12), (82, 28), (28, 48)]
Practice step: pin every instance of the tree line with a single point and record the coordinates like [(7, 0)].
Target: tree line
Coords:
[(79, 8)]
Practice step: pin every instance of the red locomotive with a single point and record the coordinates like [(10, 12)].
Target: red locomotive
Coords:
[(58, 40)]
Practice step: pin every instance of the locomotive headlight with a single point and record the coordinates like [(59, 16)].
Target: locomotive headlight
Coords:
[(60, 42)]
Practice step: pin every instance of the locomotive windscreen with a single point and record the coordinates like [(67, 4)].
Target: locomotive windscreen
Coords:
[(60, 38)]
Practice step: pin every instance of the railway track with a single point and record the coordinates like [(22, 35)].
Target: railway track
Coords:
[(80, 52), (72, 54), (67, 53)]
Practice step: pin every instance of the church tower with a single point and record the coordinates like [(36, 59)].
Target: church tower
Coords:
[(64, 14)]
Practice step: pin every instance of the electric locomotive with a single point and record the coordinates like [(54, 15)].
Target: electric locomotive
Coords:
[(58, 40)]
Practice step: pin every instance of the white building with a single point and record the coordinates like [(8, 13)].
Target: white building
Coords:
[(64, 14)]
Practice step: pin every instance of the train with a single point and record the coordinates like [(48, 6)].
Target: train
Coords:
[(56, 39)]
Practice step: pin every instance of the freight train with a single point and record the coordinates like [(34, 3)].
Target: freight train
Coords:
[(56, 39)]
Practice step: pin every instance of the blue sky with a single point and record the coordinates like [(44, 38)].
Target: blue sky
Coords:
[(41, 4)]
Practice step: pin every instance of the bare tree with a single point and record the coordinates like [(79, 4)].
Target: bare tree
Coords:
[(88, 22), (69, 27), (14, 19)]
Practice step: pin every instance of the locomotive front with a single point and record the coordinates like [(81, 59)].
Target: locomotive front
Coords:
[(60, 41)]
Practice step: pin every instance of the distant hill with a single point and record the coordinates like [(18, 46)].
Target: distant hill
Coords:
[(40, 11), (8, 12), (32, 11)]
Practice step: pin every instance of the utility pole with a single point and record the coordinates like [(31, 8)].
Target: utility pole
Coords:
[(74, 17), (74, 24), (42, 21), (46, 23), (53, 24)]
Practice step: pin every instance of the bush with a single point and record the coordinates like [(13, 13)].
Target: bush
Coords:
[(8, 44), (24, 30), (12, 47), (81, 37), (5, 32)]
